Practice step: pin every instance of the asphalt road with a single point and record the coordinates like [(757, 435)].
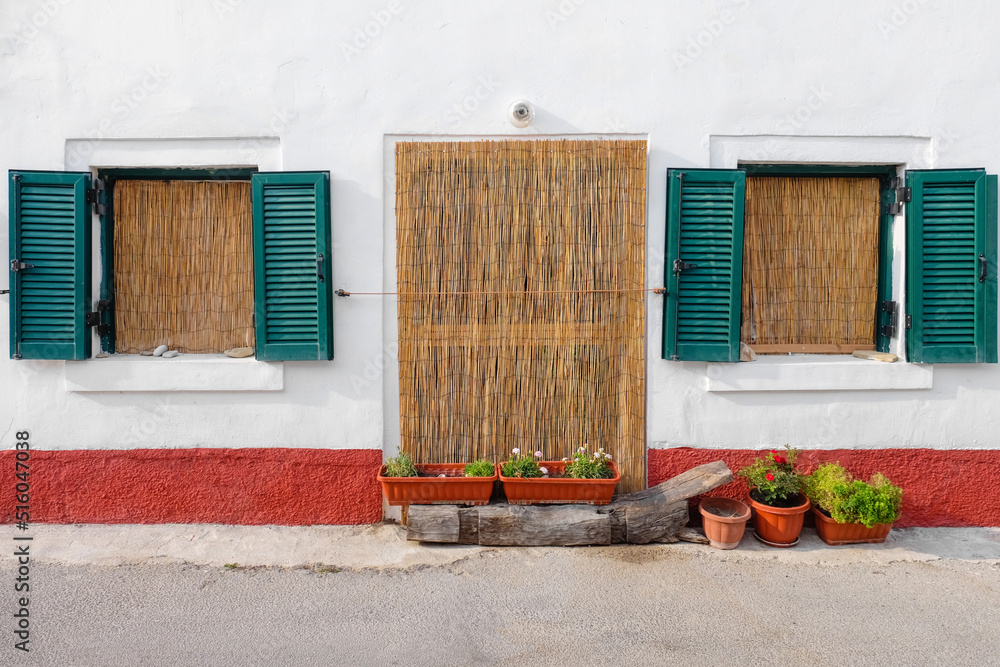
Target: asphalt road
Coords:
[(584, 606)]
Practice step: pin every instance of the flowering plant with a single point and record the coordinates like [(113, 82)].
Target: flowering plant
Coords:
[(773, 479), (596, 466), (522, 465)]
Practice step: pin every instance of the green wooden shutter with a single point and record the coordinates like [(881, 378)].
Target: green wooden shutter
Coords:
[(951, 228), (701, 315), (50, 223), (292, 295)]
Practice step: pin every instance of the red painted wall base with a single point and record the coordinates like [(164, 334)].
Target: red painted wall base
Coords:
[(940, 487), (234, 486)]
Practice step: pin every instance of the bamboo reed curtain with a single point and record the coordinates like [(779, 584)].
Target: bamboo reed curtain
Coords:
[(501, 345), (183, 265), (810, 264)]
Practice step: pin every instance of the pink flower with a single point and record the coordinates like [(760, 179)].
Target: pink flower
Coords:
[(538, 454)]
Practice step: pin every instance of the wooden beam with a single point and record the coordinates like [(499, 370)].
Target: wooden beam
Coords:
[(657, 514)]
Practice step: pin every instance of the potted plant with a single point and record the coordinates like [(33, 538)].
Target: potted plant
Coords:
[(590, 479), (405, 483), (724, 520), (852, 511), (776, 497)]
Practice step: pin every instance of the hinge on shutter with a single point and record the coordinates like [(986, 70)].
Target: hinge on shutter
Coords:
[(94, 319), (17, 265), (95, 195), (904, 195), (909, 321), (889, 330)]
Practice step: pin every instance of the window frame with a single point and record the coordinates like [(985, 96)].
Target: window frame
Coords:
[(109, 177), (887, 175)]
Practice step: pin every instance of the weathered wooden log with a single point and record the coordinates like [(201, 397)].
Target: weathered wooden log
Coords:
[(657, 514)]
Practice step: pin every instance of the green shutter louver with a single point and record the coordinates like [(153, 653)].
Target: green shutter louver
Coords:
[(704, 267), (50, 222), (292, 294), (952, 272)]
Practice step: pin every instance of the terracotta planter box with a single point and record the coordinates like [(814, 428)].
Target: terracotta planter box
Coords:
[(834, 533), (454, 489), (538, 490)]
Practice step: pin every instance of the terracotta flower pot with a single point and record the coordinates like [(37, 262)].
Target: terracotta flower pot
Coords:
[(724, 520), (452, 489), (538, 490), (834, 533), (779, 526)]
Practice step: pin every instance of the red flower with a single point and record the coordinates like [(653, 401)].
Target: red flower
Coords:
[(769, 477), (774, 451), (779, 459)]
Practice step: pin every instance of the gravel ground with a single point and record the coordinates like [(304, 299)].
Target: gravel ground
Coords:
[(652, 605)]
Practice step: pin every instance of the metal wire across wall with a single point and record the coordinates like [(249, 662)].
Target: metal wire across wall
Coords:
[(521, 302), (810, 264), (183, 265)]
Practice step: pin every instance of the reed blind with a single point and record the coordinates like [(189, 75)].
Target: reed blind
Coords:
[(810, 264), (183, 265), (521, 310)]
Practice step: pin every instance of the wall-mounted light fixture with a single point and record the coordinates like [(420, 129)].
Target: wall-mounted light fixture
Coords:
[(520, 113)]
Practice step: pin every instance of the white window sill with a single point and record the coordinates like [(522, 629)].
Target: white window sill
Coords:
[(811, 372), (187, 372)]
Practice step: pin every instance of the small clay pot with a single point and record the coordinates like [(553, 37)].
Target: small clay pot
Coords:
[(779, 526), (724, 520)]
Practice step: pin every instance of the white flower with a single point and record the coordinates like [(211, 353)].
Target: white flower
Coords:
[(538, 454), (581, 450), (565, 459), (545, 471), (515, 451), (607, 456)]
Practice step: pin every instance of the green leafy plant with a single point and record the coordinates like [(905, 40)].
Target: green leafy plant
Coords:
[(596, 466), (480, 468), (847, 500), (774, 480), (522, 465), (400, 466)]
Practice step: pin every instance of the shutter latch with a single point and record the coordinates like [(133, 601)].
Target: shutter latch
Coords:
[(904, 195), (680, 265), (889, 330), (909, 321), (17, 265), (95, 195)]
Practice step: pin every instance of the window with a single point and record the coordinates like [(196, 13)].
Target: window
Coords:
[(950, 262), (204, 259)]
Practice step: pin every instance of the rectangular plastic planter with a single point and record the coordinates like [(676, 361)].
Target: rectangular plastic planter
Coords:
[(454, 489), (835, 534), (539, 490)]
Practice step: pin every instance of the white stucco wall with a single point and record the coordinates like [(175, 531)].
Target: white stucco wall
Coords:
[(315, 84)]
